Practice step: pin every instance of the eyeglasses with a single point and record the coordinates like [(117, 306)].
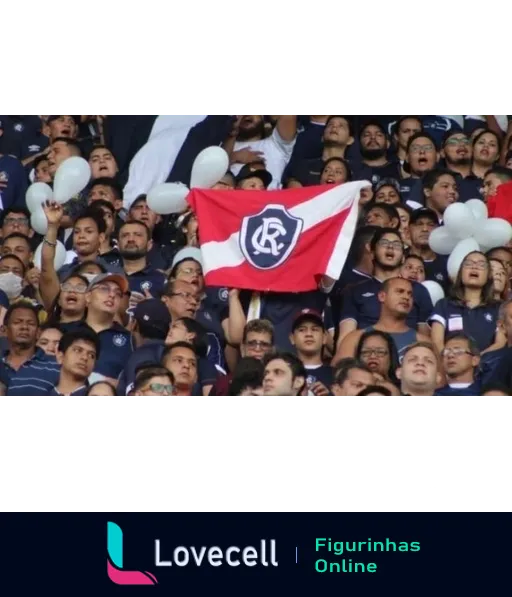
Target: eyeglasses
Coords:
[(107, 290), (71, 288), (160, 388), (189, 271), (16, 220), (481, 265), (258, 344), (378, 352), (458, 141), (418, 148), (455, 352), (390, 244), (185, 295)]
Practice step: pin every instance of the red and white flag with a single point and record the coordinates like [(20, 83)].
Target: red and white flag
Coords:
[(280, 241)]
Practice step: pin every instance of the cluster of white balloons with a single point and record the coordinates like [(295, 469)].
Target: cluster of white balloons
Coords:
[(467, 228), (71, 177), (208, 168)]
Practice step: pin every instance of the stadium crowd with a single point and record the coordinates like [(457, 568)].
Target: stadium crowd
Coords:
[(129, 312)]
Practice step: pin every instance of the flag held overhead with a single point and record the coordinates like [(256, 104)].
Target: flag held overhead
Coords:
[(284, 241)]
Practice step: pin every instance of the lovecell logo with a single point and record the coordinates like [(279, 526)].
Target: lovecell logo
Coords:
[(115, 569)]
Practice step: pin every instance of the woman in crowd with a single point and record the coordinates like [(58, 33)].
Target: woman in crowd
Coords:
[(388, 191), (471, 307), (378, 352), (404, 211), (486, 152), (101, 388), (413, 269), (499, 279), (68, 309), (335, 171)]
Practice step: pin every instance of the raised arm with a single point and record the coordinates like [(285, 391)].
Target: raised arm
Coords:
[(287, 127), (49, 285), (234, 324)]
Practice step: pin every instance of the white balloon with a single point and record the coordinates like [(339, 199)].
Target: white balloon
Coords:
[(441, 241), (209, 167), (478, 208), (60, 256), (38, 221), (459, 220), (71, 177), (37, 194), (168, 198), (461, 251), (494, 232), (435, 290)]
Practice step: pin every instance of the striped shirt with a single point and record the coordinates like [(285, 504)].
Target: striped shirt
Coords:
[(36, 377)]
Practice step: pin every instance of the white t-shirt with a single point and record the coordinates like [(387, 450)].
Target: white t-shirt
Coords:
[(277, 153)]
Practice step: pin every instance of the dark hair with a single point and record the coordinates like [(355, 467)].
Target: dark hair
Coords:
[(14, 210), (362, 237), (82, 333), (421, 135), (171, 347), (380, 233), (77, 271), (108, 182), (495, 387), (414, 256), (92, 214), (90, 388), (55, 311), (138, 199), (504, 293), (376, 123), (394, 360), (247, 374), (19, 235), (72, 143), (13, 256), (50, 325), (200, 341), (390, 210), (486, 132), (344, 367), (431, 177), (374, 389), (99, 203), (39, 160), (487, 292), (130, 222), (398, 123), (405, 207), (347, 119), (505, 174), (145, 374), (342, 161), (472, 345), (295, 364), (100, 146), (22, 304)]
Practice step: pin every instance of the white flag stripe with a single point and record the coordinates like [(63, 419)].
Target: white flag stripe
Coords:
[(227, 253)]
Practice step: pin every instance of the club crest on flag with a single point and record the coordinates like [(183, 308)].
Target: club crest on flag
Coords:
[(268, 238)]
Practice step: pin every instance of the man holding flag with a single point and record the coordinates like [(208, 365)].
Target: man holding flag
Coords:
[(285, 248)]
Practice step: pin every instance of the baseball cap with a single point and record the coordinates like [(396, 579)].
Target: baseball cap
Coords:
[(121, 281), (153, 319), (251, 171), (424, 212), (187, 253), (388, 182), (307, 315)]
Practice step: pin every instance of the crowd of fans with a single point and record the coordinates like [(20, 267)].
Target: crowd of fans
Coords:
[(129, 313)]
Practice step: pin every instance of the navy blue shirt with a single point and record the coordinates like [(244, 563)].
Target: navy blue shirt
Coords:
[(150, 354), (361, 304), (147, 279), (36, 377), (479, 323), (68, 268), (81, 391), (437, 270), (437, 126), (115, 350), (323, 374), (496, 367), (282, 308), (472, 390), (411, 189), (13, 175), (375, 173)]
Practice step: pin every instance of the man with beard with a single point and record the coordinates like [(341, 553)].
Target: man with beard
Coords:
[(396, 302), (422, 157), (248, 144), (457, 152), (134, 244), (374, 145), (360, 304)]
